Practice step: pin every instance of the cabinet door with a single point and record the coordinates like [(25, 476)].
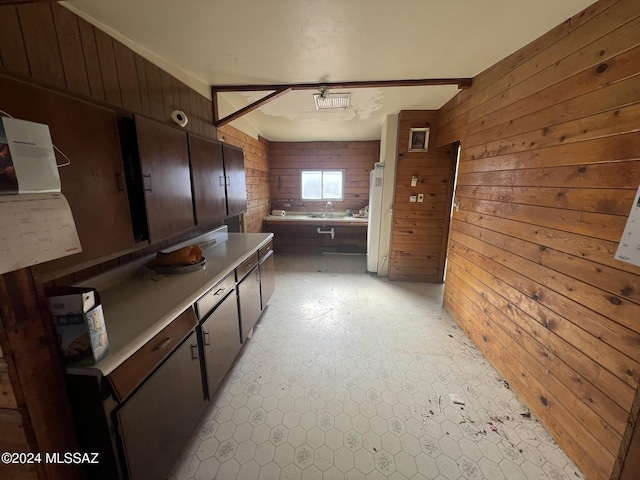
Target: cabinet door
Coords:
[(93, 183), (157, 420), (267, 278), (249, 299), (164, 161), (207, 179), (221, 340), (236, 180)]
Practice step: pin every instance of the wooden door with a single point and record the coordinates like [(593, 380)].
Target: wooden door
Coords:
[(164, 162), (93, 183), (207, 179), (221, 341), (236, 180), (157, 421)]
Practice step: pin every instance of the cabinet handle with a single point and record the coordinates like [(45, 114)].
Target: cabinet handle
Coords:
[(120, 180), (206, 338), (194, 352), (165, 343), (258, 275), (227, 181), (146, 181), (219, 292), (223, 181)]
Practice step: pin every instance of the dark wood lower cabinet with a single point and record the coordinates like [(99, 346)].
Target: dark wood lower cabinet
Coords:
[(249, 301), (267, 278), (157, 420), (140, 416), (221, 342)]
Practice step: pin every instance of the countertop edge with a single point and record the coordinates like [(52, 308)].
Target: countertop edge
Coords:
[(114, 359)]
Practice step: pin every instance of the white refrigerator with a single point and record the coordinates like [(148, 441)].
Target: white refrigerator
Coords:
[(376, 182)]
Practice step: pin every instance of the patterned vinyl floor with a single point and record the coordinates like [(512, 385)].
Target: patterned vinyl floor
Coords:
[(350, 376)]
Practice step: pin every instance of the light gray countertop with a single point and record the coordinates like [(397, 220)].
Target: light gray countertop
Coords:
[(139, 307)]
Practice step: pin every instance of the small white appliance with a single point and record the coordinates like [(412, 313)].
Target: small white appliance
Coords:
[(376, 178)]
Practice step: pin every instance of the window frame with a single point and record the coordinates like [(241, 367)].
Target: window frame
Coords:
[(322, 197)]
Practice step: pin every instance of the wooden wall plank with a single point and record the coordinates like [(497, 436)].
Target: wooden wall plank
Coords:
[(12, 49), (605, 200), (70, 43), (167, 94), (143, 85), (127, 77), (41, 42), (549, 167), (598, 150), (91, 60), (154, 89), (108, 68)]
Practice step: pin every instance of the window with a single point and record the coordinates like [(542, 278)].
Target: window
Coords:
[(322, 185)]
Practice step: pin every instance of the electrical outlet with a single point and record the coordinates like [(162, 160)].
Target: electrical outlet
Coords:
[(412, 199), (421, 197)]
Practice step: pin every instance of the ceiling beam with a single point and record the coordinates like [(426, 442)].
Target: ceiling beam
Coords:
[(243, 111), (280, 89), (462, 83)]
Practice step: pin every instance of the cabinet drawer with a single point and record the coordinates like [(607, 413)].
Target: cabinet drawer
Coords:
[(214, 296), (265, 250), (135, 369), (157, 420), (246, 266)]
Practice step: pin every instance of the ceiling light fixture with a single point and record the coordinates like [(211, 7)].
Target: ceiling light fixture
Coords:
[(327, 101)]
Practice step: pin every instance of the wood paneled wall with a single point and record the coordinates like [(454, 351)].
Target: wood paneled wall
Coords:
[(34, 412), (288, 159), (256, 167), (420, 230), (48, 45), (549, 166), (54, 47)]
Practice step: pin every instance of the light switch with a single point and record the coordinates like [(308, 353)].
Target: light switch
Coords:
[(414, 181), (412, 199), (421, 197)]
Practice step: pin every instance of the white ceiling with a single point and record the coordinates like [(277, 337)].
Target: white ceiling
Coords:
[(205, 42)]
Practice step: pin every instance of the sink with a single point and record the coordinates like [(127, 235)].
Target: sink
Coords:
[(329, 215)]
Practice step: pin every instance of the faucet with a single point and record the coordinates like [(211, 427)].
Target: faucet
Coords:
[(328, 209)]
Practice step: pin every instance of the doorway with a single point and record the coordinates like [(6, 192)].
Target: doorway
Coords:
[(455, 205)]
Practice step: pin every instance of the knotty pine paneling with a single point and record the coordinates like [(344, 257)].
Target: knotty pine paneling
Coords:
[(549, 166), (420, 230), (256, 167), (288, 159)]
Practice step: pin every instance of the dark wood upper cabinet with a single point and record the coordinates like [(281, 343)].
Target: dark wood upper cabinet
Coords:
[(207, 179), (164, 164), (236, 179), (93, 183)]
